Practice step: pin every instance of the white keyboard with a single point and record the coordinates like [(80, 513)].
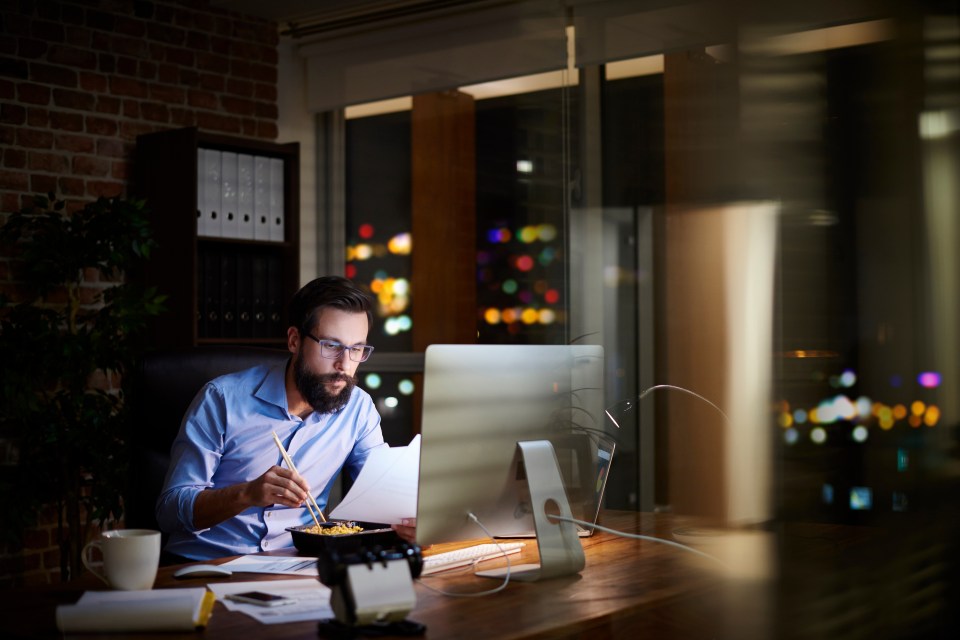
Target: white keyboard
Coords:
[(467, 556)]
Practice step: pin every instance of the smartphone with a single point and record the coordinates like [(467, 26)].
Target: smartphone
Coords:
[(260, 598)]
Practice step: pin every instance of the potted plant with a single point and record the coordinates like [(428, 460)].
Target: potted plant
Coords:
[(67, 336)]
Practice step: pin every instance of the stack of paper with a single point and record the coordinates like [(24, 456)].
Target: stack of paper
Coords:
[(153, 610)]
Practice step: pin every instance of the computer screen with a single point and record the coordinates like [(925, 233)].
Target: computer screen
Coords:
[(478, 402)]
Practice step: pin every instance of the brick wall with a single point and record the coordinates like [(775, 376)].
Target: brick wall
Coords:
[(79, 81)]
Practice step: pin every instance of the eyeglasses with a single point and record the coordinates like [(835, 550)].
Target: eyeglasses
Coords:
[(333, 349)]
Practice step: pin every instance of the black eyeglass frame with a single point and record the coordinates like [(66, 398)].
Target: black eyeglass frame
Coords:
[(325, 345)]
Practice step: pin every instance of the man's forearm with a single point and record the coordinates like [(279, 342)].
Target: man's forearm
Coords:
[(213, 506)]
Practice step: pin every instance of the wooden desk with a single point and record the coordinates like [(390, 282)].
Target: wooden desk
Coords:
[(628, 587)]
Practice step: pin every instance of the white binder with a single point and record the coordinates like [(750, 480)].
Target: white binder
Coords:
[(229, 221), (211, 191), (245, 188), (261, 198), (276, 200), (201, 191)]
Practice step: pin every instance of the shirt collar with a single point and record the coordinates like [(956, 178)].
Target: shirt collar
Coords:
[(273, 389)]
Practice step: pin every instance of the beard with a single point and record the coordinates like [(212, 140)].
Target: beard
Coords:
[(312, 386)]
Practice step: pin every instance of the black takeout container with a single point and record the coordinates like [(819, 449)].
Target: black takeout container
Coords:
[(373, 535)]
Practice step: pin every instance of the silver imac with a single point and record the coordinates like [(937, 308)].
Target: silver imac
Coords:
[(479, 402)]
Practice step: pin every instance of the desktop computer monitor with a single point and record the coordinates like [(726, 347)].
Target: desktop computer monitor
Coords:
[(479, 401)]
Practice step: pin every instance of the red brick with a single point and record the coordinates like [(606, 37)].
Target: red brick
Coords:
[(30, 48), (80, 100), (198, 41), (238, 106), (37, 117), (168, 74), (131, 109), (100, 20), (266, 92), (130, 27), (43, 183), (78, 36), (93, 82), (107, 63), (72, 57), (101, 126), (47, 31), (181, 57), (15, 158), (107, 104), (50, 74), (213, 82), (90, 166), (212, 63), (76, 144), (7, 89), (168, 95), (202, 100), (182, 117), (7, 134), (96, 189), (217, 122), (237, 87), (249, 127), (147, 70), (12, 113), (263, 73), (155, 112), (189, 78), (71, 186), (66, 121), (166, 33), (33, 93), (49, 162), (111, 148), (267, 110), (120, 170), (35, 139), (127, 66), (130, 130), (127, 87), (267, 130), (220, 45)]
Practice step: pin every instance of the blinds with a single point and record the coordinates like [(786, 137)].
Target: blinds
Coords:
[(434, 53)]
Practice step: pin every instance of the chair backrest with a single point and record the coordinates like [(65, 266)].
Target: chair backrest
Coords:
[(163, 386)]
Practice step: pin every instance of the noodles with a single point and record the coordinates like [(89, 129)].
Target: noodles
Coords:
[(338, 529)]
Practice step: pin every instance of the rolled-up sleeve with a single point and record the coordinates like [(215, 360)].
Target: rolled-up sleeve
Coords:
[(194, 458)]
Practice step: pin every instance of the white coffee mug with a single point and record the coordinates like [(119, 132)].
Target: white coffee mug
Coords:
[(130, 558)]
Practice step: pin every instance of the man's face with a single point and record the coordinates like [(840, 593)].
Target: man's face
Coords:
[(326, 383)]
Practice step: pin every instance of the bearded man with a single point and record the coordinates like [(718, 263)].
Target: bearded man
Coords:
[(228, 491)]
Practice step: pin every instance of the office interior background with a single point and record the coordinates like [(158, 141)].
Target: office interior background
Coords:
[(753, 201)]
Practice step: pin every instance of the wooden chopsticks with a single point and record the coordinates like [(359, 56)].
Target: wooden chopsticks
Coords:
[(310, 499)]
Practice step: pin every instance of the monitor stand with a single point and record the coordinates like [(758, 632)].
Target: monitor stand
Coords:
[(560, 551)]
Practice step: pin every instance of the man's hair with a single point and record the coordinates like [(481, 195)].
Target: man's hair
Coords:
[(333, 292)]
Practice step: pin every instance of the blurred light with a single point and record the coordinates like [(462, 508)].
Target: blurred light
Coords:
[(914, 421), (524, 263), (818, 435), (498, 236), (896, 381), (509, 286), (350, 271), (938, 124), (864, 406), (861, 498), (917, 408), (510, 315), (899, 501), (800, 416), (552, 296), (491, 316), (860, 433), (365, 231), (899, 412), (363, 251), (524, 166), (848, 378), (372, 381), (529, 316), (547, 232), (826, 493), (401, 244), (785, 420), (546, 256), (406, 386), (929, 379), (903, 460), (391, 401), (791, 436), (526, 297), (547, 316), (931, 416), (405, 322), (527, 234)]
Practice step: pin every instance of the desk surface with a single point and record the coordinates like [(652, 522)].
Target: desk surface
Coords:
[(628, 587)]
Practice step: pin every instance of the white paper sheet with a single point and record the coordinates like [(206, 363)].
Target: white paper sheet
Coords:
[(312, 599), (297, 566), (386, 488)]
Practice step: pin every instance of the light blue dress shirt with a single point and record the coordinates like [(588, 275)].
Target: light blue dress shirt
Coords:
[(226, 438)]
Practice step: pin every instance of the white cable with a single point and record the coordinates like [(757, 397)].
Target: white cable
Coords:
[(477, 594), (676, 388), (638, 536)]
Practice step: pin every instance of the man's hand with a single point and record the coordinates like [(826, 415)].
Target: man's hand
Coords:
[(276, 486), (407, 530)]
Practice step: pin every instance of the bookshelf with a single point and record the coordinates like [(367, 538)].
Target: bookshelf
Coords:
[(225, 213)]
